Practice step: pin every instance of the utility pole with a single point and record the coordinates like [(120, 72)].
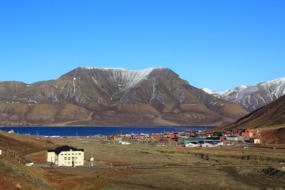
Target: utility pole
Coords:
[(91, 158)]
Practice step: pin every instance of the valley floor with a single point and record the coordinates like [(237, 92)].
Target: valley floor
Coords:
[(147, 166), (139, 166)]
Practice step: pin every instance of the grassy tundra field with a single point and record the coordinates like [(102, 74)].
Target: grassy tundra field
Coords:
[(139, 166)]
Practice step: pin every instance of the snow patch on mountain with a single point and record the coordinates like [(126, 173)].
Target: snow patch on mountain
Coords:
[(275, 87), (123, 78), (253, 97), (207, 90)]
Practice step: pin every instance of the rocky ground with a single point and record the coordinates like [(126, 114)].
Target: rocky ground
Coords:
[(149, 166), (139, 166)]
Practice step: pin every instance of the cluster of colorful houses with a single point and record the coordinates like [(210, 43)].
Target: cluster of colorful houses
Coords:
[(193, 138), (69, 156)]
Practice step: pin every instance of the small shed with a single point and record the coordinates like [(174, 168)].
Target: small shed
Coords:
[(192, 145), (255, 141)]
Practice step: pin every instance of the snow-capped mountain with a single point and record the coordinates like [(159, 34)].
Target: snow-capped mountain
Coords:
[(100, 96), (253, 97)]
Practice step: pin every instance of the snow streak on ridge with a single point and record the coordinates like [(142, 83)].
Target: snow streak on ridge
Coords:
[(122, 78)]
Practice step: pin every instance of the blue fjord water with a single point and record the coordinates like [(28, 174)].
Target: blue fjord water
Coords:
[(92, 131)]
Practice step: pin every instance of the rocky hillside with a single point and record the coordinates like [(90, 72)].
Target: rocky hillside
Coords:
[(93, 96), (253, 97), (269, 120), (13, 173)]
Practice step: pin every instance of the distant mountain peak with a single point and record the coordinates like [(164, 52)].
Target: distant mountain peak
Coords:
[(241, 87), (254, 97), (207, 90), (119, 76), (123, 69), (274, 81)]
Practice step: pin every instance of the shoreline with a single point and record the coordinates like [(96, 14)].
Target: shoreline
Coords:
[(92, 131), (88, 126)]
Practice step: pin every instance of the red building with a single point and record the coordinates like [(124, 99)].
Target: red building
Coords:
[(248, 133)]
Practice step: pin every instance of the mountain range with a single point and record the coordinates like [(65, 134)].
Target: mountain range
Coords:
[(113, 97), (253, 97)]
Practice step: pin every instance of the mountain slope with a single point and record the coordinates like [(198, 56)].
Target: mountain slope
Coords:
[(13, 173), (95, 96), (270, 120), (271, 114), (253, 97)]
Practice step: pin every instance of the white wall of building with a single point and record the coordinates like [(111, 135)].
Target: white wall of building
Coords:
[(51, 157), (71, 158), (66, 158)]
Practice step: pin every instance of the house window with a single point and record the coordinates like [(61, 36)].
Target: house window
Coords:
[(65, 158)]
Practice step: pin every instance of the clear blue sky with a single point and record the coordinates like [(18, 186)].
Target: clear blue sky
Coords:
[(218, 44)]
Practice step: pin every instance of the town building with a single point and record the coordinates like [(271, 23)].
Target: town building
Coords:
[(66, 156), (248, 133), (255, 141), (232, 138)]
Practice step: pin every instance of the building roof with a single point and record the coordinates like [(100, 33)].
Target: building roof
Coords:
[(60, 149)]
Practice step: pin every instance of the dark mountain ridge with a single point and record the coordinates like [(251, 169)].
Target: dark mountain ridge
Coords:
[(269, 115)]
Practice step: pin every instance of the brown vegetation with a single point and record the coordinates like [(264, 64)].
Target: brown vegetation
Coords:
[(138, 166)]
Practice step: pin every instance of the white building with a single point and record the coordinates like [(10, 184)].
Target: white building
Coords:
[(192, 145), (124, 143), (66, 156)]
